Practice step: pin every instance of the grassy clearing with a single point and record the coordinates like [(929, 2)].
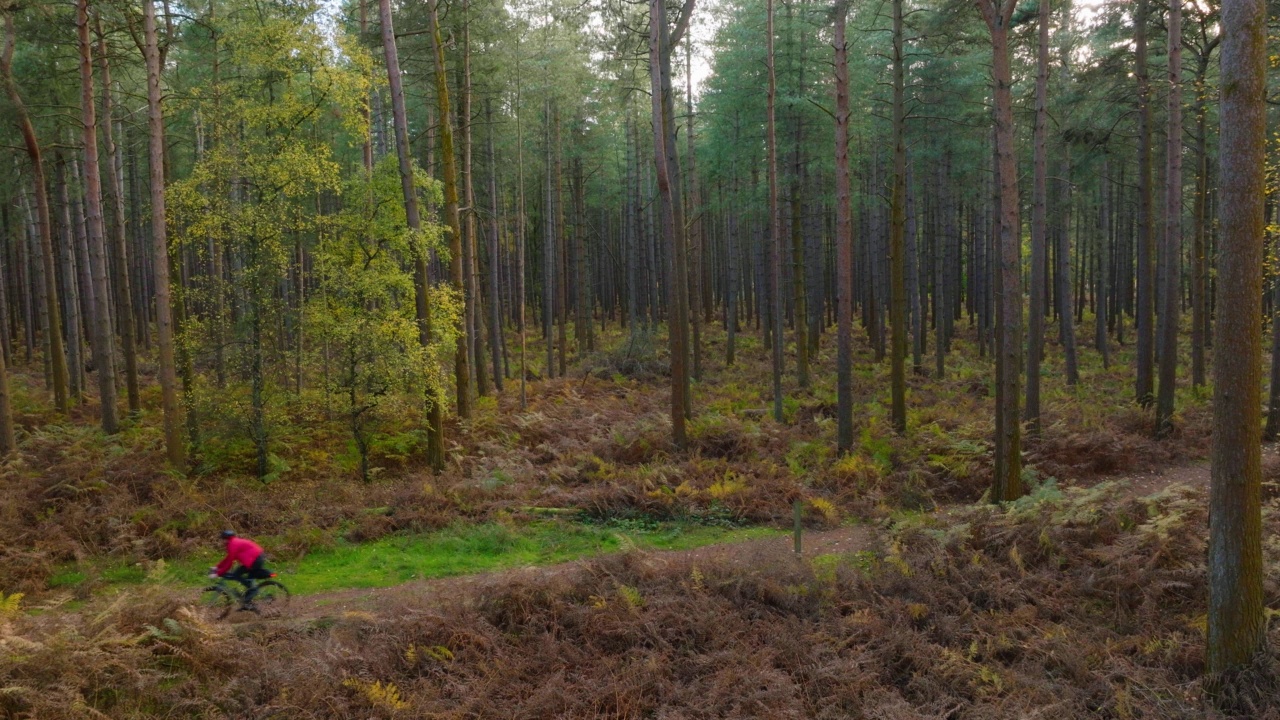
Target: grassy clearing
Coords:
[(394, 559)]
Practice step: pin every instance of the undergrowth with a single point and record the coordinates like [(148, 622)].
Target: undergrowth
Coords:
[(1073, 603), (596, 443)]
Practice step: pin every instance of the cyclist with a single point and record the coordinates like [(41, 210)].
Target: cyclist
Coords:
[(252, 565)]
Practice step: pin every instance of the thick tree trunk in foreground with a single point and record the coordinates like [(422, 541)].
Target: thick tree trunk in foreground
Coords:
[(160, 247), (1237, 621)]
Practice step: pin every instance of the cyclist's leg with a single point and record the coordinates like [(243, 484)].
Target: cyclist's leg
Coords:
[(240, 575), (256, 571)]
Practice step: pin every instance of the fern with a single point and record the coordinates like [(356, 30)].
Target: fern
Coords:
[(378, 694), (11, 604)]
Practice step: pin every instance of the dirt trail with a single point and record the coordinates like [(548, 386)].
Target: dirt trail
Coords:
[(1194, 474), (745, 554), (762, 552)]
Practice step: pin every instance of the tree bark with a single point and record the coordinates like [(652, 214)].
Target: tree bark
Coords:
[(160, 246), (495, 309), (69, 290), (666, 167), (470, 260), (1171, 250), (1039, 201), (1199, 266), (120, 263), (1237, 621), (435, 403), (775, 216), (1103, 283), (103, 338), (1062, 274), (548, 243), (897, 230), (696, 245), (520, 237), (1145, 322), (1007, 480), (449, 174), (844, 240)]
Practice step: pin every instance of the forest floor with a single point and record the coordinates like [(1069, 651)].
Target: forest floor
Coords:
[(571, 563), (736, 553)]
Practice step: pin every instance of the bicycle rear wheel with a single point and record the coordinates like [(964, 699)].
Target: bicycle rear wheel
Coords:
[(271, 597), (217, 601)]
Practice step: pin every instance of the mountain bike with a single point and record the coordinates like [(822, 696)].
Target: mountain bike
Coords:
[(222, 597)]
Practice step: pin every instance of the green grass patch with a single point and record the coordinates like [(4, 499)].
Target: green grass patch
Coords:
[(459, 550)]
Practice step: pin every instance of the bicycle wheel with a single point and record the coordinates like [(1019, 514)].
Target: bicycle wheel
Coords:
[(217, 601), (271, 597)]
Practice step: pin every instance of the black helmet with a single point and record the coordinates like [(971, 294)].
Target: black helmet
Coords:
[(228, 534)]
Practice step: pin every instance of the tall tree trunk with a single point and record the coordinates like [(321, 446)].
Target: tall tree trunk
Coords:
[(103, 339), (1199, 266), (1171, 249), (775, 216), (470, 254), (844, 240), (913, 278), (897, 230), (799, 305), (661, 41), (1062, 274), (548, 244), (435, 401), (940, 312), (1237, 620), (160, 246), (1104, 282), (449, 174), (561, 269), (69, 290), (696, 231), (38, 286), (520, 237), (495, 306), (1039, 201), (1145, 322), (366, 147), (54, 352), (1007, 480), (120, 262)]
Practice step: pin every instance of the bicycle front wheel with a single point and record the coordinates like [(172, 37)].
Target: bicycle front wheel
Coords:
[(217, 601), (271, 597)]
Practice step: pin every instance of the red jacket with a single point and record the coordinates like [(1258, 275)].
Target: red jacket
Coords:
[(238, 550)]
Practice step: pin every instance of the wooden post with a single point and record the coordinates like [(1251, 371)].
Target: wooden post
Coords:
[(797, 511)]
